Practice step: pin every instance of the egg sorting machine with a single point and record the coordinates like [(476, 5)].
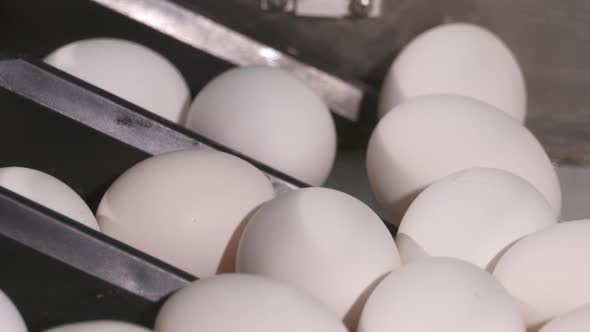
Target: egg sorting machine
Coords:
[(42, 125)]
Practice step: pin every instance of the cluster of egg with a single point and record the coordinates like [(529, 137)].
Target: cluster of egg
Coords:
[(240, 109), (475, 197)]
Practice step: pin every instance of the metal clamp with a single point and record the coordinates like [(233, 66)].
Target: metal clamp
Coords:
[(325, 8)]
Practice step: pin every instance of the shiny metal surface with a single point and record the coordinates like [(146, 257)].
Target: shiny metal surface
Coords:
[(325, 8), (218, 40), (106, 114), (551, 39)]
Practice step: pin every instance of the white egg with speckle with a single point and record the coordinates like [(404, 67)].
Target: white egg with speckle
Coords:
[(186, 208)]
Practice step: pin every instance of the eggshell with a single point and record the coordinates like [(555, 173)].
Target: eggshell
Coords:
[(10, 318), (269, 115), (185, 208), (474, 215), (99, 326), (428, 138), (128, 70), (246, 303), (322, 241), (460, 59), (573, 321), (443, 295), (548, 272), (48, 191)]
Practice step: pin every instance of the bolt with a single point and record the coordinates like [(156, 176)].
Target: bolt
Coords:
[(361, 8)]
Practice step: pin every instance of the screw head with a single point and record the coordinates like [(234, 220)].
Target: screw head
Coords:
[(361, 8)]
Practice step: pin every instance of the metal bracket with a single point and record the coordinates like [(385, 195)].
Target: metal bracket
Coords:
[(325, 8)]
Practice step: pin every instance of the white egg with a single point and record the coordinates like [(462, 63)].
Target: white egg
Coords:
[(573, 321), (48, 191), (472, 215), (269, 115), (322, 241), (246, 303), (459, 59), (10, 318), (185, 208), (548, 272), (443, 295), (99, 326), (128, 70), (430, 137)]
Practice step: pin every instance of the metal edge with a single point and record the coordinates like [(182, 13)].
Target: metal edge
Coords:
[(111, 115), (205, 34), (56, 236)]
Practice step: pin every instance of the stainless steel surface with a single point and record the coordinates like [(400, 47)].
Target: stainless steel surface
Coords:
[(575, 188), (216, 39), (325, 8), (338, 8), (104, 114), (551, 39)]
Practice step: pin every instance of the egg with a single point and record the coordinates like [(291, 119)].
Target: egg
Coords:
[(443, 295), (246, 303), (271, 116), (474, 215), (430, 137), (128, 70), (99, 326), (322, 241), (459, 59), (573, 321), (547, 272), (48, 191), (186, 208), (10, 318)]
